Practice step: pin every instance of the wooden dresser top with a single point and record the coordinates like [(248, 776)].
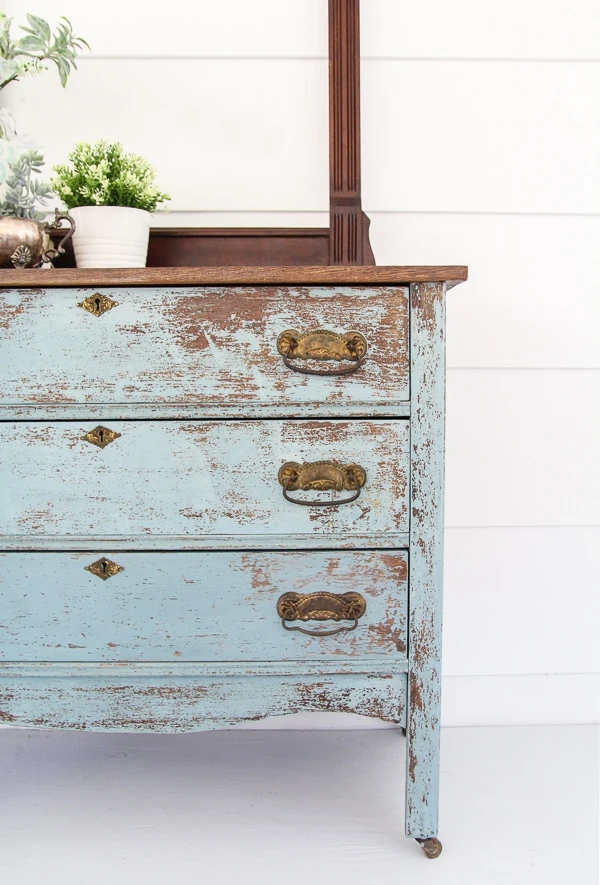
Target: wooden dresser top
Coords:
[(231, 276)]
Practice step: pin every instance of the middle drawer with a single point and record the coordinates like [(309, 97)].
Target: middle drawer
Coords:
[(204, 478)]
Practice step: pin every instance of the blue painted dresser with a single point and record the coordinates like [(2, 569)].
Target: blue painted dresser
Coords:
[(222, 499)]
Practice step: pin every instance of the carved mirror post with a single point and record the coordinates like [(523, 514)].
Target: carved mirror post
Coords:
[(348, 224)]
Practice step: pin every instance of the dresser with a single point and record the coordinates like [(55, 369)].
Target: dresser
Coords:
[(222, 499)]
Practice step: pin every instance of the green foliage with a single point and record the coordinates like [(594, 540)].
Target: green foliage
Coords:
[(104, 175), (23, 192), (27, 55)]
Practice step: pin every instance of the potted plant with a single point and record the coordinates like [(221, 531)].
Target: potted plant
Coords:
[(110, 194), (24, 235)]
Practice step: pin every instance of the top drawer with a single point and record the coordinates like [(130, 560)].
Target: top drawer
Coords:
[(214, 348)]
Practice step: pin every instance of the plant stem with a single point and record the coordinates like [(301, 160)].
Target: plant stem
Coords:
[(10, 79)]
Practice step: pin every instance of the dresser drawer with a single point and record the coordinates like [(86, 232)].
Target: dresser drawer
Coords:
[(214, 347), (217, 606), (201, 477)]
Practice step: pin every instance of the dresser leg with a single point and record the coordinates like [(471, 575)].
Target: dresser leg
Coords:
[(426, 564)]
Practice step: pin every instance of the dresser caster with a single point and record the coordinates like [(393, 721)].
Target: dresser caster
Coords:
[(432, 847)]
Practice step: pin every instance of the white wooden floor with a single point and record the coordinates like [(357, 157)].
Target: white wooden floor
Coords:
[(519, 806)]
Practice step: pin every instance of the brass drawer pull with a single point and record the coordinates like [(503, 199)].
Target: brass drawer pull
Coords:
[(321, 476), (322, 345), (321, 606)]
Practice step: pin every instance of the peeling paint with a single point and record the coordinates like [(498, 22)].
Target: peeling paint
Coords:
[(194, 606), (197, 477), (172, 704), (196, 345), (426, 557)]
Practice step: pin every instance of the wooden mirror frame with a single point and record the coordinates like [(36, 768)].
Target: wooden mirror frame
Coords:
[(346, 240)]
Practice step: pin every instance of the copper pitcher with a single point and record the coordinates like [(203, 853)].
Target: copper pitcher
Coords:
[(27, 243)]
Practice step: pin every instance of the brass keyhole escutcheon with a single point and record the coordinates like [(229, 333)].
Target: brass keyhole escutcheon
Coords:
[(101, 436), (104, 568), (98, 304)]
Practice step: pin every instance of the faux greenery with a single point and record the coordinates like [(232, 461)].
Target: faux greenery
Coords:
[(29, 54), (22, 191), (104, 175)]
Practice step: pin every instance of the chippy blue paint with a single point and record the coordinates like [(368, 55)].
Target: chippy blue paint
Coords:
[(293, 540), (112, 702), (171, 411), (196, 478), (333, 665), (427, 338), (192, 606), (208, 346), (187, 636)]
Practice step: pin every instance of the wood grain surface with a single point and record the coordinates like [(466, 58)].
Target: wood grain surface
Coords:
[(228, 276)]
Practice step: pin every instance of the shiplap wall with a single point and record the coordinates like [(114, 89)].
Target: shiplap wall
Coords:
[(481, 145)]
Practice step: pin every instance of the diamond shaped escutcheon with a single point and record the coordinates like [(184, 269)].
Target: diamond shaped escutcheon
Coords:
[(101, 436), (97, 304), (104, 568)]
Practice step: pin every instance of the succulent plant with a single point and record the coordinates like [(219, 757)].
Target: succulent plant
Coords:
[(24, 196)]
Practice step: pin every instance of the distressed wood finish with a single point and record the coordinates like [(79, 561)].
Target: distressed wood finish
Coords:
[(193, 606), (331, 666), (164, 543), (174, 411), (186, 503), (197, 478), (427, 333), (235, 276), (111, 702), (197, 346)]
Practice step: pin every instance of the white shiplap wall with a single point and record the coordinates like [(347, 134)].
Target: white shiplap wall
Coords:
[(481, 145)]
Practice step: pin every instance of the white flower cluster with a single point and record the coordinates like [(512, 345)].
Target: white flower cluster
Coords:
[(104, 175)]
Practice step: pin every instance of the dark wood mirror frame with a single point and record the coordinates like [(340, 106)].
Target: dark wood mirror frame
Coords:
[(346, 240)]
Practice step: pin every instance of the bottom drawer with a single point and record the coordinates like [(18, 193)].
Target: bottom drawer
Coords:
[(208, 606)]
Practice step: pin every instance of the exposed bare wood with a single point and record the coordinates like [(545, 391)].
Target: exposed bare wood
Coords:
[(426, 558), (227, 276), (217, 345)]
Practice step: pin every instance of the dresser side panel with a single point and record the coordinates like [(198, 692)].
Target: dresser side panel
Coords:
[(426, 557)]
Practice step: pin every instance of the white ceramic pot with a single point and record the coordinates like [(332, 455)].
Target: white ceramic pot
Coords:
[(110, 236)]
